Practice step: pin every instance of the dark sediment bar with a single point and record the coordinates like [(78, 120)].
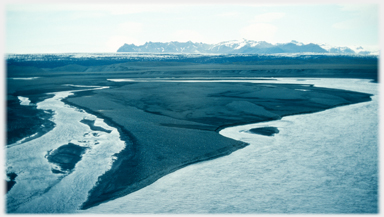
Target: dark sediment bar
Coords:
[(66, 156), (265, 131), (11, 182)]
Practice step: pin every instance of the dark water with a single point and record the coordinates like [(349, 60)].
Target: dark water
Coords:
[(24, 121)]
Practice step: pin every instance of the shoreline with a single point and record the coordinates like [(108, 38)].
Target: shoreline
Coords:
[(127, 136), (299, 113)]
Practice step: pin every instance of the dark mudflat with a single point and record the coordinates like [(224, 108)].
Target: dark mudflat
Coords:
[(265, 131)]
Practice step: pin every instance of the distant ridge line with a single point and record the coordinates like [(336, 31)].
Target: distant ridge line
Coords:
[(243, 46)]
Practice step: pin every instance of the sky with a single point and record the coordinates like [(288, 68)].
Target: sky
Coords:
[(86, 27)]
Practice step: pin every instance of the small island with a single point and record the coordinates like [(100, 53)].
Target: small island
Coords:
[(265, 131), (66, 157)]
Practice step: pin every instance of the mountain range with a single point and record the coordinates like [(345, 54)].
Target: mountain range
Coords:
[(243, 46)]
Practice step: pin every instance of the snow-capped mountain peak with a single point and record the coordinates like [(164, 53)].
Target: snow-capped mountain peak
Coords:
[(243, 46), (297, 43)]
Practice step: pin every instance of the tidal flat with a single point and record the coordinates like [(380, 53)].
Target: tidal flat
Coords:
[(169, 125)]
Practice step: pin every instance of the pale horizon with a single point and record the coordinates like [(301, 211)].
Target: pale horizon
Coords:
[(79, 28)]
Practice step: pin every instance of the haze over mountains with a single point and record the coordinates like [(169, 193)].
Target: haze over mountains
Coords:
[(240, 47)]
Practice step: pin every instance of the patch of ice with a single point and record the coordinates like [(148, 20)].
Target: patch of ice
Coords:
[(24, 100), (28, 78), (74, 85), (121, 80)]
